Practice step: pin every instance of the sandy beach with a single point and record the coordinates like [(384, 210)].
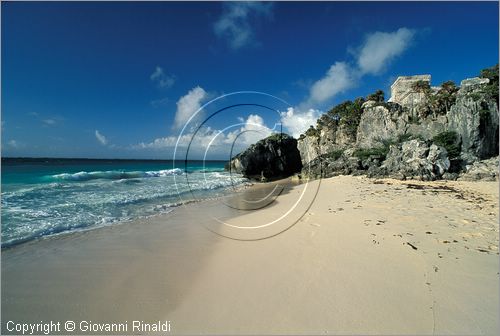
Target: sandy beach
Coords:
[(353, 256)]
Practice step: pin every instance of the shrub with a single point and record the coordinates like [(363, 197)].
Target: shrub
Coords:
[(377, 96), (448, 140), (311, 131), (335, 154), (422, 87), (475, 96), (491, 89), (327, 121), (414, 120), (405, 137), (348, 114), (365, 153)]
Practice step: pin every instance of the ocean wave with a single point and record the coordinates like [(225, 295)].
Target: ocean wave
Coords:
[(62, 205), (115, 175)]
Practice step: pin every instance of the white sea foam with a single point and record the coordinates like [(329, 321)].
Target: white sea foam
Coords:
[(79, 201), (115, 175)]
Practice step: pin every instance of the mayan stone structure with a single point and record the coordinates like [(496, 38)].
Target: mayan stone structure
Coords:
[(402, 90)]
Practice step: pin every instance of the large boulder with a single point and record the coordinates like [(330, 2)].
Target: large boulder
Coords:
[(332, 164), (415, 159), (486, 170), (274, 157)]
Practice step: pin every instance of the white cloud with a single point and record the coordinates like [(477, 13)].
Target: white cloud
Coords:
[(380, 48), (253, 129), (14, 144), (372, 57), (297, 122), (234, 23), (248, 132), (187, 105), (159, 143), (49, 122), (161, 79), (101, 138), (338, 79)]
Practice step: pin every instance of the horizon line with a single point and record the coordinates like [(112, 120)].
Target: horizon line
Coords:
[(87, 158)]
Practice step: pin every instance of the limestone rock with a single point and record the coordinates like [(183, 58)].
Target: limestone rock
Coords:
[(474, 118), (309, 148), (415, 159), (274, 157), (324, 166), (486, 170), (327, 141), (380, 122)]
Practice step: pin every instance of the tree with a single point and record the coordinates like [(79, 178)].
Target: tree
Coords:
[(347, 114), (491, 73), (421, 87), (446, 96), (377, 96), (491, 89)]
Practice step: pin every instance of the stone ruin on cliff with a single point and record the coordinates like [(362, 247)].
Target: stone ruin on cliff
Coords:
[(402, 91)]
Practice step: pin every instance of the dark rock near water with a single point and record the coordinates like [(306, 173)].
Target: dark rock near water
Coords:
[(274, 157)]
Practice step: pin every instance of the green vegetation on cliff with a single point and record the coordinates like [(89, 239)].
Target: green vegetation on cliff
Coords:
[(365, 153), (491, 89), (438, 102), (448, 140)]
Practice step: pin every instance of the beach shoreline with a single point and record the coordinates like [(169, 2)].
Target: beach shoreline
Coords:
[(360, 256)]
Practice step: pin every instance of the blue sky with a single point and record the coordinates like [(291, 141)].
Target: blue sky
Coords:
[(120, 80)]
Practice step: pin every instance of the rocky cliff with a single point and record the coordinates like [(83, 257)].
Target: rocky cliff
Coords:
[(423, 132), (274, 157)]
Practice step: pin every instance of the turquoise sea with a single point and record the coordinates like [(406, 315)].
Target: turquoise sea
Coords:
[(43, 197)]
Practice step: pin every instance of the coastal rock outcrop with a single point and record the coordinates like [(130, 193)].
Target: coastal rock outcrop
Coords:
[(422, 132), (474, 118), (274, 157), (324, 140), (328, 165), (380, 122), (481, 170), (416, 159)]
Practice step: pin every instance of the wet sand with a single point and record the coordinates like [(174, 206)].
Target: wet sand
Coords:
[(345, 255)]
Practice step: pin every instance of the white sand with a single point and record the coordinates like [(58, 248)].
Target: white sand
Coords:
[(346, 267)]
